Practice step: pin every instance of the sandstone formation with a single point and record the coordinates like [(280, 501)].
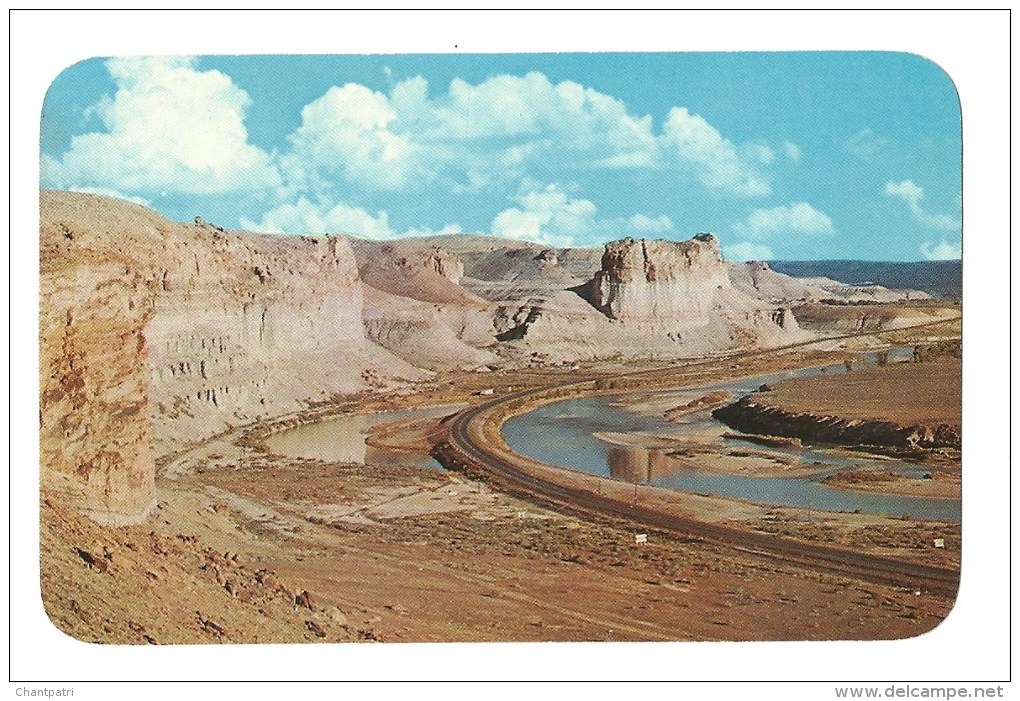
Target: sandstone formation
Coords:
[(416, 308), (426, 335), (249, 326), (648, 281), (681, 292), (831, 318), (95, 438), (407, 269), (504, 269), (154, 334), (629, 298)]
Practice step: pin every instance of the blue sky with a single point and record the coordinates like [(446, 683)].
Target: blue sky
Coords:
[(782, 155)]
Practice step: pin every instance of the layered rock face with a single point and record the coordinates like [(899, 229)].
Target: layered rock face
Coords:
[(158, 334), (249, 326), (682, 291), (428, 335), (416, 307), (95, 436), (653, 280), (409, 269)]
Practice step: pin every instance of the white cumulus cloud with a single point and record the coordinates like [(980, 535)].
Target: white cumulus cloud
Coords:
[(306, 217), (348, 130), (943, 250), (579, 118), (791, 150), (550, 216), (496, 132), (714, 158), (745, 251), (469, 138), (911, 193), (799, 218), (546, 216), (169, 126)]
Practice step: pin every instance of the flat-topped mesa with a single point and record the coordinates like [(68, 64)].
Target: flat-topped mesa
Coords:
[(649, 280)]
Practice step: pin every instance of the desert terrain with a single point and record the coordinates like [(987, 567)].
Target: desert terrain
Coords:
[(174, 357)]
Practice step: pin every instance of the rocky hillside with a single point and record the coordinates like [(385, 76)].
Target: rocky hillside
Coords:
[(758, 279), (154, 334), (629, 298), (504, 269)]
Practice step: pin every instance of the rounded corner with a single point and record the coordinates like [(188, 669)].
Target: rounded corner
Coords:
[(68, 69), (938, 624), (59, 625), (931, 62)]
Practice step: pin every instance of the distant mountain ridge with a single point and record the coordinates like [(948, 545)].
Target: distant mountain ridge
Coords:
[(939, 278)]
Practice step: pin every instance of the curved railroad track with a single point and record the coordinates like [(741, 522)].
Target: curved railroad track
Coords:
[(465, 447)]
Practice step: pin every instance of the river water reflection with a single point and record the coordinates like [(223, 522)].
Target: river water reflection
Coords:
[(342, 439), (563, 434)]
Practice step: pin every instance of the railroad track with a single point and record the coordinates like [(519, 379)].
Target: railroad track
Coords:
[(465, 438)]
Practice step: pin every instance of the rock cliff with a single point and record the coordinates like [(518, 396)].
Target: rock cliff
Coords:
[(432, 336), (416, 307), (408, 269), (95, 437), (683, 291), (249, 326), (654, 280), (154, 334)]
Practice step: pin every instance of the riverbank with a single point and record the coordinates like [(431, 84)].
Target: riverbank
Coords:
[(935, 484), (903, 405), (396, 553), (482, 429)]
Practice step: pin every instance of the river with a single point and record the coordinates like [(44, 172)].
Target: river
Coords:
[(342, 439), (563, 434)]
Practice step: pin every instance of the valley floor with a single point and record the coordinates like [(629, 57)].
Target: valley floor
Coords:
[(246, 546)]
